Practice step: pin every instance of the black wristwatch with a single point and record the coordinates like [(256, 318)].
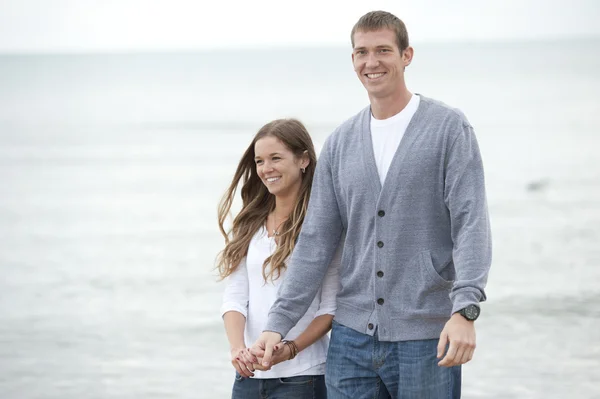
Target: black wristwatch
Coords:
[(470, 313)]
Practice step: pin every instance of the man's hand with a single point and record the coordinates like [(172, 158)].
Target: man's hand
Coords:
[(281, 353), (460, 333), (263, 347), (242, 361)]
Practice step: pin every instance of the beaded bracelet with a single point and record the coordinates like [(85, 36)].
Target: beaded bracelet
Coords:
[(293, 348)]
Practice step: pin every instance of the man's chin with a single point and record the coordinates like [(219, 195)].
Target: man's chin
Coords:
[(376, 93), (374, 87)]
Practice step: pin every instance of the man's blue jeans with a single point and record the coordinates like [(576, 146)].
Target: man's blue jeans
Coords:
[(360, 366)]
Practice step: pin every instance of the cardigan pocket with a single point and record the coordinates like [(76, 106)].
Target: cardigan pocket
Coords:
[(420, 292), (427, 264)]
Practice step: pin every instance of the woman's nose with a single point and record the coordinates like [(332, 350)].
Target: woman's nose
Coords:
[(267, 166)]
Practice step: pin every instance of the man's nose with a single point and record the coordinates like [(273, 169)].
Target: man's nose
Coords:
[(372, 60)]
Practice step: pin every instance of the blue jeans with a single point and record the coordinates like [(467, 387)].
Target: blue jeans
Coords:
[(362, 367), (299, 387)]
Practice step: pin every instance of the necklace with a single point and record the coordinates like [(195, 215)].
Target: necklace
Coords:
[(275, 225)]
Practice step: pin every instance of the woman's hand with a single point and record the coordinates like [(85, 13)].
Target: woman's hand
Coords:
[(242, 360)]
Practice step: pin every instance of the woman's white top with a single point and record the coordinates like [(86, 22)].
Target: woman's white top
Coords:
[(247, 292)]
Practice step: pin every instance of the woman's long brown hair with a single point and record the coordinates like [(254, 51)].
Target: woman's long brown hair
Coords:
[(257, 202)]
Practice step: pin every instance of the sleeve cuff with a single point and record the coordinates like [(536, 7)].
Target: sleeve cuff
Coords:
[(323, 311), (235, 307), (279, 323), (464, 298)]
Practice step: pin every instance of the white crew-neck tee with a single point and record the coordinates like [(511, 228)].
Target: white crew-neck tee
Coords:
[(386, 135)]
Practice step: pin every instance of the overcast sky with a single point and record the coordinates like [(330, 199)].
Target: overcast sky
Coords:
[(109, 25)]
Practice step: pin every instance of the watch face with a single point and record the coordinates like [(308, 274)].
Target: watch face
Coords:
[(471, 312)]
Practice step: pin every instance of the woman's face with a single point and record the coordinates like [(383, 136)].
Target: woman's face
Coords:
[(278, 168)]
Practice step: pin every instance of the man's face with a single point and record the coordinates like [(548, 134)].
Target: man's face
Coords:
[(378, 62)]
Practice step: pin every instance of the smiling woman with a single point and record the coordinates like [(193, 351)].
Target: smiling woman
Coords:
[(276, 173), (279, 168)]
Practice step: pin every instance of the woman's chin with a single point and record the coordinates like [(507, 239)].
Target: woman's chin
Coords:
[(273, 190)]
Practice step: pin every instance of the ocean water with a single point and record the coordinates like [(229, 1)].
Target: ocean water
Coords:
[(111, 167)]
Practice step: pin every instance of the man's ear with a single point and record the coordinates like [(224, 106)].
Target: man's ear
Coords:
[(407, 56)]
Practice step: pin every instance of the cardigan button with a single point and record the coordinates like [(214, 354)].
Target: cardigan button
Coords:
[(380, 301), (380, 244), (380, 274), (370, 326), (381, 213)]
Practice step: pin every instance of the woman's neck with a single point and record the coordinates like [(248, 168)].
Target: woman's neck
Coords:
[(284, 206)]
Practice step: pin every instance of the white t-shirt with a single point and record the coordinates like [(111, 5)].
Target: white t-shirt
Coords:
[(387, 133), (247, 293)]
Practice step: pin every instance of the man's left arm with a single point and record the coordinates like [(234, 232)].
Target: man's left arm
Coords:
[(465, 198)]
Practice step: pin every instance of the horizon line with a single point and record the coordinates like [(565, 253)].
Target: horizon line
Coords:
[(280, 46)]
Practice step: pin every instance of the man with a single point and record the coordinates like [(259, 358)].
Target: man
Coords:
[(404, 179)]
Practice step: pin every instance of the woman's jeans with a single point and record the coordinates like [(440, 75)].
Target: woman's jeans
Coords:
[(299, 387)]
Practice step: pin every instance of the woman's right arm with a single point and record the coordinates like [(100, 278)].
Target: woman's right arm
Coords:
[(234, 311)]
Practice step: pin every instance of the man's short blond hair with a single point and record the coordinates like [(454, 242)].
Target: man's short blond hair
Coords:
[(377, 20)]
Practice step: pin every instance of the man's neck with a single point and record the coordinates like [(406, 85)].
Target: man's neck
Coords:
[(386, 107)]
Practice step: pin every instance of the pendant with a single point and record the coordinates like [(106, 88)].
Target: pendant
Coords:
[(275, 233)]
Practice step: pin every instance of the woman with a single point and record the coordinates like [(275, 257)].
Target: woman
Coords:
[(276, 171)]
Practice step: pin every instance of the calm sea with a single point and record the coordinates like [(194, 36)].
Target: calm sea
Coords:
[(111, 167)]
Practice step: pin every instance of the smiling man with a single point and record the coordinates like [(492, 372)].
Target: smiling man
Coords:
[(404, 179)]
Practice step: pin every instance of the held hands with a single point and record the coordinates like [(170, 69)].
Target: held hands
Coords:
[(245, 363), (460, 333), (264, 346), (266, 352), (281, 353)]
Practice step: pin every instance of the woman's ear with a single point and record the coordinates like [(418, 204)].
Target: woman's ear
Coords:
[(304, 160)]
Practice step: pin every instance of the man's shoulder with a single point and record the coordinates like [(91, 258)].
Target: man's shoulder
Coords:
[(351, 126), (440, 109), (346, 136)]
